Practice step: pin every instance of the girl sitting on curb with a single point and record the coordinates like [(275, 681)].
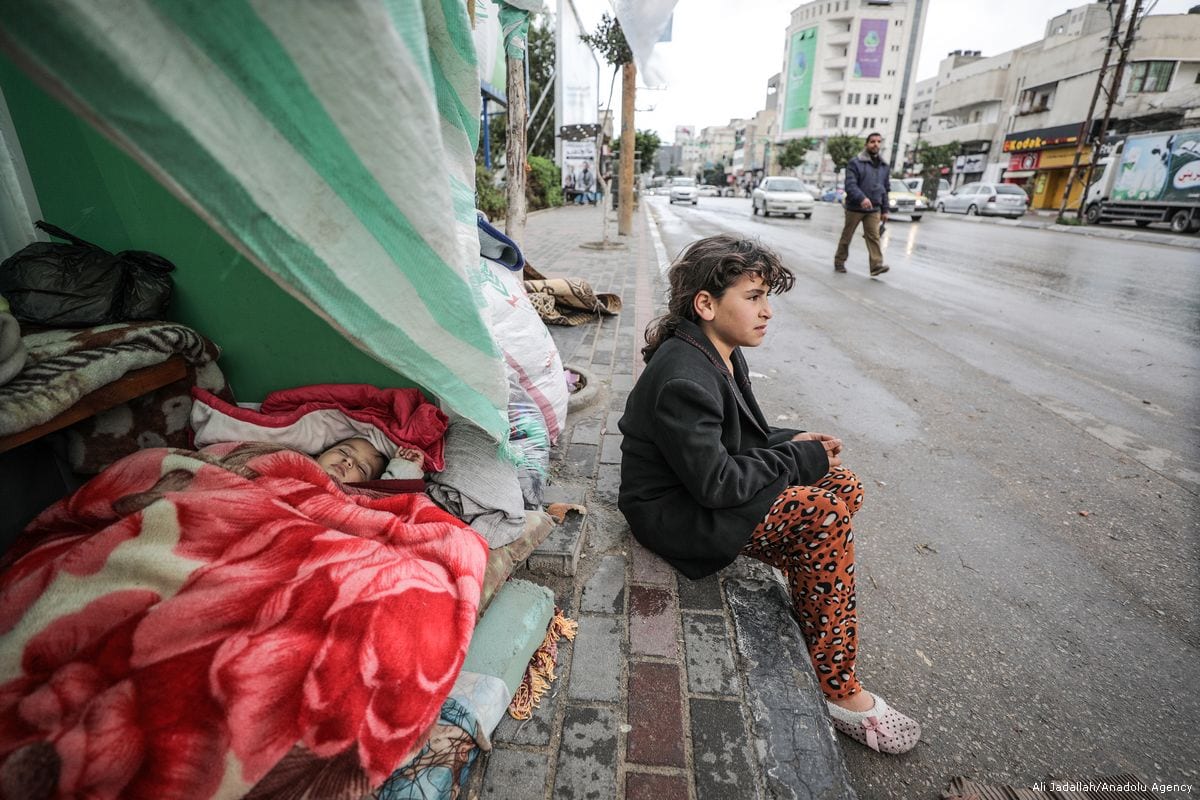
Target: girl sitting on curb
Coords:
[(704, 478)]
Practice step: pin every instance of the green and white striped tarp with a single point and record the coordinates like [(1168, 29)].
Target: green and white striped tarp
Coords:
[(332, 143)]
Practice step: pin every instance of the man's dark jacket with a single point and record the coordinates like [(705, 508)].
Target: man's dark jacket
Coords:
[(867, 177), (700, 467)]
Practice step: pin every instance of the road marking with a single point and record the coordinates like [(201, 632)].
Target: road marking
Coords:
[(1159, 459), (659, 250)]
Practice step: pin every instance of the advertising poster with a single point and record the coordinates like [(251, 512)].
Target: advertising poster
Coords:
[(1184, 185), (801, 51), (575, 155), (489, 48), (872, 36), (1143, 169)]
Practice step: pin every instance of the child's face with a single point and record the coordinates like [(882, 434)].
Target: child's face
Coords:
[(738, 318), (353, 460)]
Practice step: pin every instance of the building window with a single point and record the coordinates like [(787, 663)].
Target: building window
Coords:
[(1151, 76), (868, 122), (1035, 99)]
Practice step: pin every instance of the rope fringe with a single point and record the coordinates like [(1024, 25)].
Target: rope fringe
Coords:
[(540, 672)]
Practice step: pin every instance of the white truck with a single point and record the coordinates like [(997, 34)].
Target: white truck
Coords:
[(1149, 177)]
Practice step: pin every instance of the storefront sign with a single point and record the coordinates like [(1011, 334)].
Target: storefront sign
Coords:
[(1022, 162), (1040, 138), (975, 162), (872, 35), (1063, 157)]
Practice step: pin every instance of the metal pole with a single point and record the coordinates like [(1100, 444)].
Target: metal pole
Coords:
[(908, 66), (1085, 127), (487, 139), (538, 105)]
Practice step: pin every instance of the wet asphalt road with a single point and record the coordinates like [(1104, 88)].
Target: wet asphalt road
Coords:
[(1022, 407)]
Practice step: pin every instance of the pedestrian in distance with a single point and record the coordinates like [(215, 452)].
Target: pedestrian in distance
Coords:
[(866, 204), (705, 479)]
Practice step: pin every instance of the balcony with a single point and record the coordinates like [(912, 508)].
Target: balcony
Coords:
[(972, 132)]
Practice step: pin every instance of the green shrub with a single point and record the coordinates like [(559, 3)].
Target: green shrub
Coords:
[(544, 187), (489, 198)]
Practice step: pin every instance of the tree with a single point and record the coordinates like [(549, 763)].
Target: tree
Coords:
[(933, 160), (609, 41), (792, 154), (842, 148), (541, 69), (715, 175), (645, 147)]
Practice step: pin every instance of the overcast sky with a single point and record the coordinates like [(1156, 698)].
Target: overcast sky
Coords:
[(723, 51)]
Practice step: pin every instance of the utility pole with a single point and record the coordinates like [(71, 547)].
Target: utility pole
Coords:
[(1085, 127), (625, 201), (1114, 88), (914, 31), (515, 155)]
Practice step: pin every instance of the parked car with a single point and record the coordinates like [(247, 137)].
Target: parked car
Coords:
[(902, 200), (708, 190), (833, 194), (781, 195), (985, 199), (683, 190)]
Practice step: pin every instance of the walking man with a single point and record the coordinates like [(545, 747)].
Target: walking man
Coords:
[(866, 203)]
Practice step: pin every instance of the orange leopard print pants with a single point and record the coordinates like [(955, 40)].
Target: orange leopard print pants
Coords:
[(807, 536)]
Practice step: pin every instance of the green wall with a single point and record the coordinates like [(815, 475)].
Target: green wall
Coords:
[(269, 340)]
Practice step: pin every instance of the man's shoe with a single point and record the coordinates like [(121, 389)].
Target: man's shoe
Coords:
[(882, 268), (838, 268)]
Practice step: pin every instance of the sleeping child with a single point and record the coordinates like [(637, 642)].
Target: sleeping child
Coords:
[(356, 459)]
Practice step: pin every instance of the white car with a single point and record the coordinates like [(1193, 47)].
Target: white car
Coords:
[(779, 195), (708, 190), (683, 190)]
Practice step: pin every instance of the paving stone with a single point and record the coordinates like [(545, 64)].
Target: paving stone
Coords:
[(558, 553), (622, 381), (708, 655), (720, 752), (649, 568), (652, 627), (515, 773), (649, 786), (564, 492), (581, 459), (701, 595), (610, 449), (611, 420), (587, 432), (607, 530), (587, 756), (602, 358), (608, 482), (655, 710), (538, 729), (799, 755), (596, 662), (604, 593)]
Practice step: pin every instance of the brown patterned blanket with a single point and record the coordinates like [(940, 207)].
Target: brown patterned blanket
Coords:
[(66, 365)]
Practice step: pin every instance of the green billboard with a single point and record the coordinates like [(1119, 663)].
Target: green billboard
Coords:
[(801, 51)]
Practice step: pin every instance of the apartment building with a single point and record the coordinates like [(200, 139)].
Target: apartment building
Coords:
[(848, 69), (1018, 116)]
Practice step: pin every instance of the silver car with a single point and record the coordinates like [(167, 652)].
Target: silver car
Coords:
[(780, 195), (683, 190), (985, 199)]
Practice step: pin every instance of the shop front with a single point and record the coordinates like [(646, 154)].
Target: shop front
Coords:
[(1040, 162)]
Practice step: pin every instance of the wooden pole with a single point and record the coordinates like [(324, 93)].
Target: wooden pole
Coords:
[(515, 155), (1085, 128), (625, 201)]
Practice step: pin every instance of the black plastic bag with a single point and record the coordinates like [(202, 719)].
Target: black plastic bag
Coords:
[(80, 284)]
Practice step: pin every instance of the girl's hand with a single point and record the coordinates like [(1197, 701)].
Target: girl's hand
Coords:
[(833, 445)]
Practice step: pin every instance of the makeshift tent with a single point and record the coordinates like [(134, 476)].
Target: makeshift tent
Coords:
[(331, 144)]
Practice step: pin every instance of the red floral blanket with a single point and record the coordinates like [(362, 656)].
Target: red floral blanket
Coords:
[(225, 623)]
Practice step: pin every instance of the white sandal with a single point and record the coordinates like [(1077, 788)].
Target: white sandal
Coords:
[(881, 728)]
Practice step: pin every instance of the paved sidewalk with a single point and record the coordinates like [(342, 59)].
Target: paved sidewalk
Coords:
[(696, 690)]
